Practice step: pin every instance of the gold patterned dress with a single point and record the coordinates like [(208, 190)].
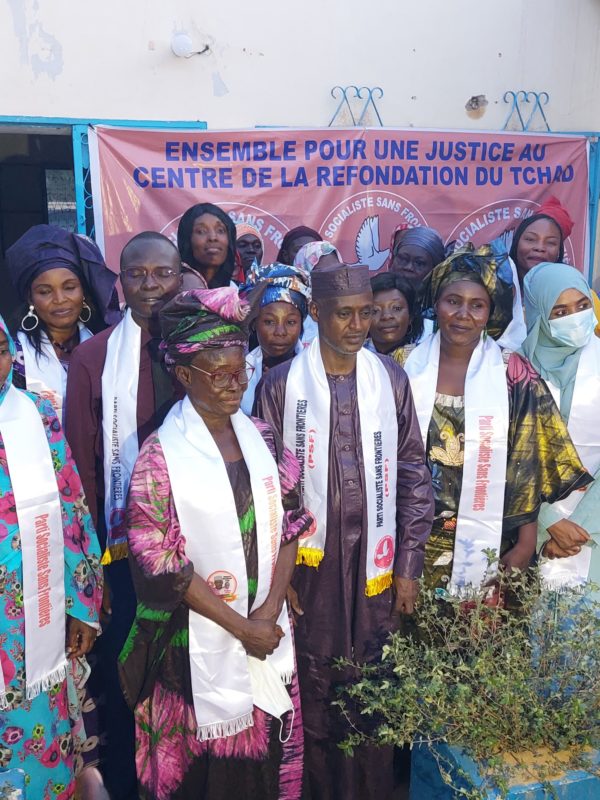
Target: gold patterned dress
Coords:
[(542, 463)]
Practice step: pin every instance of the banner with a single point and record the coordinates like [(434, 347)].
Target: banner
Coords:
[(354, 186)]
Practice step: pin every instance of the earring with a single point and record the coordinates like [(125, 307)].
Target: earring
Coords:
[(85, 307), (33, 316)]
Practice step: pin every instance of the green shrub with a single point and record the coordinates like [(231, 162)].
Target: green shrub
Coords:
[(489, 679)]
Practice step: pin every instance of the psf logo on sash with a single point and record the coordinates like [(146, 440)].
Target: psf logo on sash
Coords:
[(224, 584)]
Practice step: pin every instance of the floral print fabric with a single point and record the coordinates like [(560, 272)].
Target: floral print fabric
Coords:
[(35, 735)]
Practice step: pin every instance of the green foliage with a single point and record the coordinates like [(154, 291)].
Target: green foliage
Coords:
[(488, 678)]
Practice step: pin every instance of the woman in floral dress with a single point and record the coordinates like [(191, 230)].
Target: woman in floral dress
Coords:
[(35, 725)]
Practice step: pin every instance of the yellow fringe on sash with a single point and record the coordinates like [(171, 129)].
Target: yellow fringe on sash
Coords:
[(115, 552), (379, 584), (310, 556)]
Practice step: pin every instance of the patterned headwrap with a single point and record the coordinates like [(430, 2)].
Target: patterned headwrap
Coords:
[(310, 254), (282, 284), (201, 319), (487, 265), (13, 351)]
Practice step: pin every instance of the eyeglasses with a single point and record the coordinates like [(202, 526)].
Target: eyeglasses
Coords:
[(223, 380), (141, 273)]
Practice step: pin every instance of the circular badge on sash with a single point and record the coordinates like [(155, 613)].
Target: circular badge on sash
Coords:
[(384, 552), (223, 584)]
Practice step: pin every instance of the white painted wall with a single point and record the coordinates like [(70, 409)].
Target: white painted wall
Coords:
[(274, 62)]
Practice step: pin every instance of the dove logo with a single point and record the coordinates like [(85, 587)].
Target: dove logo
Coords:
[(384, 553), (363, 225), (367, 246), (311, 448)]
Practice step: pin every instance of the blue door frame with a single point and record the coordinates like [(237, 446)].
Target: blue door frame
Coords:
[(81, 155), (81, 162)]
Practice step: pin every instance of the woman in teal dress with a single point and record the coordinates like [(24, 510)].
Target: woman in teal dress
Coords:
[(36, 734)]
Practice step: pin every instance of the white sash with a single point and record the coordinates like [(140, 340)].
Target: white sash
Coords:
[(516, 331), (37, 501), (481, 506), (120, 378), (306, 433), (585, 433), (255, 359), (45, 375), (206, 510)]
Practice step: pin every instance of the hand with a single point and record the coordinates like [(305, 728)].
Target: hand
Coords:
[(267, 611), (80, 637), (260, 637), (517, 558), (292, 598), (568, 536), (405, 595), (552, 550)]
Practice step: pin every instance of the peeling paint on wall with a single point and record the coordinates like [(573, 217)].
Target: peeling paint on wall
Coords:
[(219, 86), (39, 49)]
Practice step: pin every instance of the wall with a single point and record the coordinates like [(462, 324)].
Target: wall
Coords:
[(274, 62)]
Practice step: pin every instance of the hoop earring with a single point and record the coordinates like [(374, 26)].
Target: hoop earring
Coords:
[(33, 316), (85, 307)]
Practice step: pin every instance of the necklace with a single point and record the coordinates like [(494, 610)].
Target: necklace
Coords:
[(63, 347)]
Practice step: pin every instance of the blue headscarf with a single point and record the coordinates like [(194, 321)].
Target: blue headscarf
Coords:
[(427, 238), (45, 247), (282, 284), (556, 362)]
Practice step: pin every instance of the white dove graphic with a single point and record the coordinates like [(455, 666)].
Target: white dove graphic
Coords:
[(367, 246)]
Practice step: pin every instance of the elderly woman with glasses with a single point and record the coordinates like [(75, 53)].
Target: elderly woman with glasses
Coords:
[(214, 515)]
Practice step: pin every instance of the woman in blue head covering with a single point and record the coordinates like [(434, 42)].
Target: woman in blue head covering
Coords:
[(562, 346), (283, 309), (415, 252), (68, 294)]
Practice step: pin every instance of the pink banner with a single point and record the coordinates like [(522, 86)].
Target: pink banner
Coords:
[(354, 186)]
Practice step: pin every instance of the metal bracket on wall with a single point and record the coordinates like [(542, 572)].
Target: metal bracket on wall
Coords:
[(520, 102), (354, 104)]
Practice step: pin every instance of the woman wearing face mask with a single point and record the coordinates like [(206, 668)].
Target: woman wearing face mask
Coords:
[(212, 621), (495, 442), (68, 294), (278, 326), (562, 346)]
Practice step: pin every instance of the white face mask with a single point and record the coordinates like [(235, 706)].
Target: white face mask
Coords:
[(575, 330), (269, 692)]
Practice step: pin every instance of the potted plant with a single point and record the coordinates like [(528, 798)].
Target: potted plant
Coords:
[(497, 694)]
